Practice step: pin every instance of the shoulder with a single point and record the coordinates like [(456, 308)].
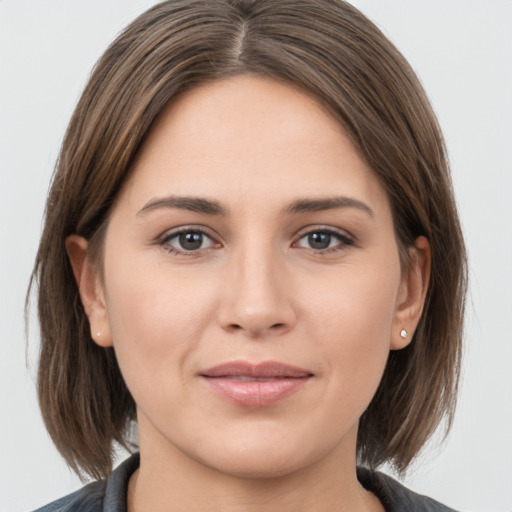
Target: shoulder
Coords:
[(395, 497), (103, 496), (88, 499)]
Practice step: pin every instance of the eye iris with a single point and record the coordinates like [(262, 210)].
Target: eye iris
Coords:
[(191, 241), (319, 240)]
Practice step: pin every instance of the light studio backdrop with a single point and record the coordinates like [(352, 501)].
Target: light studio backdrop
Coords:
[(462, 51)]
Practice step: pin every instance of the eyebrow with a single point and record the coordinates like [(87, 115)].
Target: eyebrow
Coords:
[(330, 203), (193, 204), (213, 207)]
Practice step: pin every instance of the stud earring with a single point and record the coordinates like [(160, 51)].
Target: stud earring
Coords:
[(403, 334), (98, 334)]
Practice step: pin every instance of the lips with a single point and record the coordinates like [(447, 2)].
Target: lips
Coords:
[(260, 385)]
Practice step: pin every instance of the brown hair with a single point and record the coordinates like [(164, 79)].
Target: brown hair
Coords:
[(326, 47)]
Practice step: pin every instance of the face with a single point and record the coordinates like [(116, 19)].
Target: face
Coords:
[(252, 287)]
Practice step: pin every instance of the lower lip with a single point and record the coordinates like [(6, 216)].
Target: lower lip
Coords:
[(255, 393)]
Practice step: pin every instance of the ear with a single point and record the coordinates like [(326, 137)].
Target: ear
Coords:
[(411, 295), (90, 289)]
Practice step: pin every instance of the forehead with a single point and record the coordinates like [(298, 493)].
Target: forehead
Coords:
[(249, 136)]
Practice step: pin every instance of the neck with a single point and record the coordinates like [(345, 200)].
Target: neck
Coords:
[(169, 476)]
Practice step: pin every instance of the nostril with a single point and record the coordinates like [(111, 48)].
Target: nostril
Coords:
[(257, 331)]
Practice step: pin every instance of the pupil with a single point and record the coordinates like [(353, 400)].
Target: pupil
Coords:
[(319, 240), (191, 241)]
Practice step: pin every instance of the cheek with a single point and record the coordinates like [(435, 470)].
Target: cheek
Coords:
[(156, 321), (352, 325), (356, 303)]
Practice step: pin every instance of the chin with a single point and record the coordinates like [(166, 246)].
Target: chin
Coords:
[(258, 467), (262, 458)]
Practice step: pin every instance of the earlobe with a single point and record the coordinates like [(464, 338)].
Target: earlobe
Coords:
[(90, 289), (412, 294)]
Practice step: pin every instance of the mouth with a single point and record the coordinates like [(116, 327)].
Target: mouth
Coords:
[(255, 385)]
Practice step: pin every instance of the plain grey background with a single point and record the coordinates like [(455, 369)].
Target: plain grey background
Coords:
[(462, 51)]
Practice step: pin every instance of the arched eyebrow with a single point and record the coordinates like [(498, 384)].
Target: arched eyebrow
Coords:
[(329, 203), (213, 207), (193, 204)]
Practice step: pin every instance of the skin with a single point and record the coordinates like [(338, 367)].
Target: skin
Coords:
[(256, 290)]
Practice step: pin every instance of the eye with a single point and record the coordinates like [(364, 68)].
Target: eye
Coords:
[(324, 240), (187, 241)]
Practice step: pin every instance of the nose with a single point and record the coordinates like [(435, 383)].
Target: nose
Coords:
[(257, 296)]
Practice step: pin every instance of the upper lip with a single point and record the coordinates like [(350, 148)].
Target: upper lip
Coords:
[(265, 369)]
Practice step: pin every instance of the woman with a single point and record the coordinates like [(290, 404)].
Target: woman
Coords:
[(251, 249)]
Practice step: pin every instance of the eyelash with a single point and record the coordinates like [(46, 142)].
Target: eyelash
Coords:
[(344, 240), (164, 241)]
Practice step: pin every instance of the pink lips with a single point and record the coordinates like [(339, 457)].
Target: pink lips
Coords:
[(257, 385)]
